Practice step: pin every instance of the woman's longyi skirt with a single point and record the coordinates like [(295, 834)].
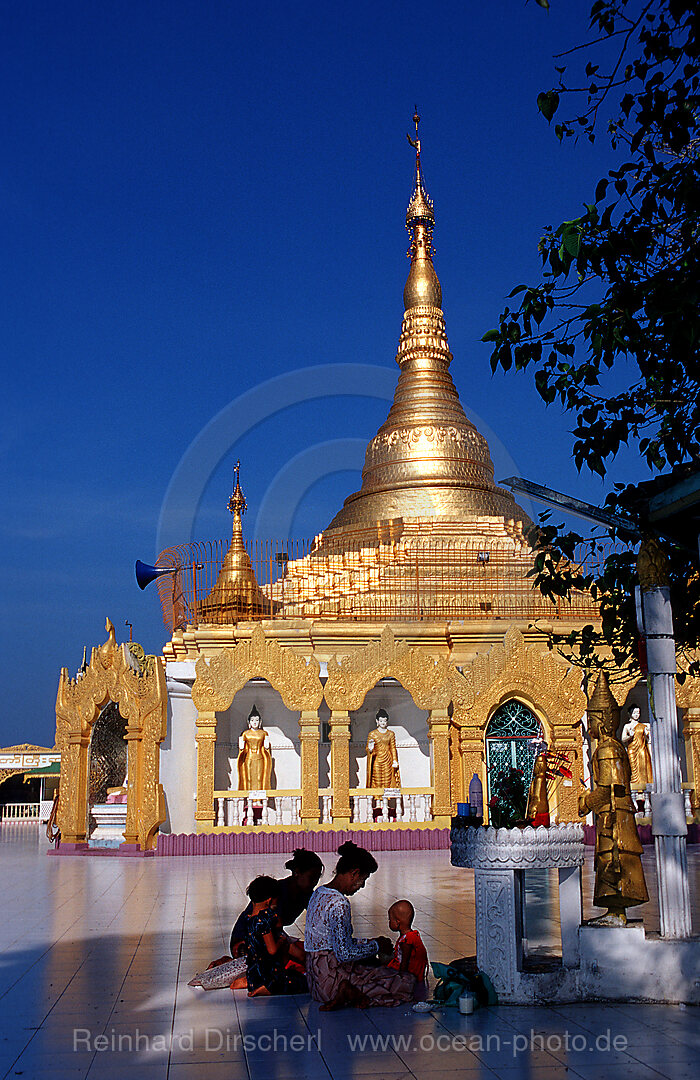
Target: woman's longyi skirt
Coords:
[(382, 985)]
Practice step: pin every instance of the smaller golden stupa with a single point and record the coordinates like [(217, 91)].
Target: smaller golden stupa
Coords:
[(236, 593)]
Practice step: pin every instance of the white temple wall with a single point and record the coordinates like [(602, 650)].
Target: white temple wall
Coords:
[(178, 751), (410, 727)]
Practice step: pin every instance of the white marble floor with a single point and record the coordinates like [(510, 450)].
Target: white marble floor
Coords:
[(96, 953)]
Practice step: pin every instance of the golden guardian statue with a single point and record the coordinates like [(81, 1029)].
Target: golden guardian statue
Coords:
[(619, 877)]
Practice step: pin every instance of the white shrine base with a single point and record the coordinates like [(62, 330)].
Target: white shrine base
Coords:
[(622, 963), (111, 822), (598, 962)]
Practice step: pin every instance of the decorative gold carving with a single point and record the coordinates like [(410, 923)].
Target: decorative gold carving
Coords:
[(439, 735), (340, 768), (428, 681), (216, 685), (217, 682), (113, 674), (309, 736), (545, 683), (652, 564)]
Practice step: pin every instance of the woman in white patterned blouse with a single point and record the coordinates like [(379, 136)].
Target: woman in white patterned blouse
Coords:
[(343, 970)]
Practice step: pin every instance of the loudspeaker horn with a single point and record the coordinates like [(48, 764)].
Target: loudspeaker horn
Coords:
[(145, 573)]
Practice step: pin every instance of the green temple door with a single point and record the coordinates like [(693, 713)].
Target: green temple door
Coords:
[(513, 737)]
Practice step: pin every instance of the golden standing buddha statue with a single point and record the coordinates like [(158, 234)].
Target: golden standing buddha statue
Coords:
[(537, 812), (619, 877), (254, 757), (382, 756), (635, 739)]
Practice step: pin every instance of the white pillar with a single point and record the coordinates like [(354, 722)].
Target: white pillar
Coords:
[(178, 752), (570, 914), (668, 824)]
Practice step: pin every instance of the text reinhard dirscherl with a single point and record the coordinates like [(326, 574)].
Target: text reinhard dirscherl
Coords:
[(215, 1040)]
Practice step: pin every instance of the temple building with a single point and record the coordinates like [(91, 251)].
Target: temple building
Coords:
[(372, 679)]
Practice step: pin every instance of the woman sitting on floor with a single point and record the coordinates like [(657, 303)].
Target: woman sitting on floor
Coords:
[(268, 970), (335, 969), (294, 895)]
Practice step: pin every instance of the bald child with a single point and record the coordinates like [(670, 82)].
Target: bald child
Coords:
[(409, 951)]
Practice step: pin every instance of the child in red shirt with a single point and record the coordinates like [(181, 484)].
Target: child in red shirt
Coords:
[(409, 951)]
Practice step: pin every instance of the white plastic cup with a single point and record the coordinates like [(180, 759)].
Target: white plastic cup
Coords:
[(466, 1004)]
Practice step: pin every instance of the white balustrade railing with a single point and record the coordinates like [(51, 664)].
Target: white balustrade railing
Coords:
[(688, 800), (21, 811), (642, 800), (370, 807), (233, 809)]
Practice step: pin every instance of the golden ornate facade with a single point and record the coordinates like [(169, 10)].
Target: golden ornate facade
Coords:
[(139, 690), (398, 592)]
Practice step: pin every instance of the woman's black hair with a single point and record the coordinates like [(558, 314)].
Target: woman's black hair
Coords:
[(303, 861), (353, 857), (263, 888)]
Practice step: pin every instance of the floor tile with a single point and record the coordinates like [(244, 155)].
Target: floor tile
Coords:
[(117, 942)]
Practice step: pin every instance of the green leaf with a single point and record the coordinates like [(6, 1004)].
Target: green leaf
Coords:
[(491, 335), (548, 103), (572, 242)]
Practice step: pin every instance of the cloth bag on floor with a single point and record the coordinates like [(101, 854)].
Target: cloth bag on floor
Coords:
[(221, 976)]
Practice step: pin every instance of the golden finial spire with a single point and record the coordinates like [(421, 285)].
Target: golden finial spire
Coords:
[(422, 286), (237, 504), (420, 207)]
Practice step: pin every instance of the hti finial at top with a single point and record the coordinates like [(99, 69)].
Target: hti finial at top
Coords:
[(420, 208), (415, 143), (237, 503)]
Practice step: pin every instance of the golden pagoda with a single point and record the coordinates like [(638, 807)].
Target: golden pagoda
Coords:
[(235, 594), (415, 609), (427, 461)]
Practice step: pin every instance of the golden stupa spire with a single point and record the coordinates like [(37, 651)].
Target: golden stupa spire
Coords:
[(236, 592), (427, 461), (422, 286)]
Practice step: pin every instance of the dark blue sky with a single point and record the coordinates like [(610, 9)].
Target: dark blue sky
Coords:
[(199, 197)]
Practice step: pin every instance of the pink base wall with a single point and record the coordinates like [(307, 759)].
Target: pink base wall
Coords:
[(261, 843)]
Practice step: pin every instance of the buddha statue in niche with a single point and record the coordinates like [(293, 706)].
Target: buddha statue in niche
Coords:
[(635, 739), (382, 756), (254, 757)]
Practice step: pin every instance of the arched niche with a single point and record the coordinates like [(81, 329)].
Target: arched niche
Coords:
[(122, 674), (410, 727), (428, 681), (281, 724), (546, 684), (513, 735), (218, 681), (107, 756)]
